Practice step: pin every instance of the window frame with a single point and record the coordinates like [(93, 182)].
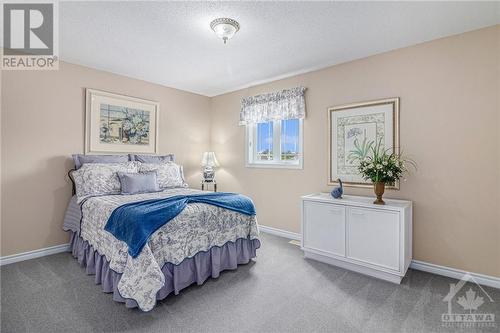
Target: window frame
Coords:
[(250, 148)]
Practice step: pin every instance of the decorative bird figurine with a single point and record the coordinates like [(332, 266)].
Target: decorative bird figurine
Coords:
[(338, 191)]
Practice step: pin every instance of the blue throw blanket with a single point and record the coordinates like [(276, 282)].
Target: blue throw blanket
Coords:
[(133, 223)]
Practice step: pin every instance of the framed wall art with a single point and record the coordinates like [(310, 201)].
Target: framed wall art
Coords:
[(120, 124), (354, 125)]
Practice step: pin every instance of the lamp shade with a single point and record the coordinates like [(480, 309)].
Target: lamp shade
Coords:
[(225, 28), (209, 159)]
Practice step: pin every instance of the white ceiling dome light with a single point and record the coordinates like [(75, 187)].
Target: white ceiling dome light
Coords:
[(225, 28)]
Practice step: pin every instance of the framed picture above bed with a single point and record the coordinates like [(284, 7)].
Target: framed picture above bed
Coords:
[(120, 124), (352, 127)]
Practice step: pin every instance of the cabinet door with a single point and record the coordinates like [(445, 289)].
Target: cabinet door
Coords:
[(373, 237), (324, 227)]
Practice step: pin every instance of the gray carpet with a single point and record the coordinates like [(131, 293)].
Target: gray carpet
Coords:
[(278, 292)]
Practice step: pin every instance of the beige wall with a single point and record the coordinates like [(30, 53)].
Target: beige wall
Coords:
[(450, 125), (42, 125)]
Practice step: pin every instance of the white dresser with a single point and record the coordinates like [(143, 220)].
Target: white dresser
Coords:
[(355, 234)]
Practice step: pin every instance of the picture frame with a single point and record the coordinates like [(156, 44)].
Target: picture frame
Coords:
[(117, 123), (371, 120)]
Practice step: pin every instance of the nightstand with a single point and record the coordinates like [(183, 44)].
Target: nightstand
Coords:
[(213, 183)]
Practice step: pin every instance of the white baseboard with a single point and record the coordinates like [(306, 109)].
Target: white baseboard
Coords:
[(485, 280), (279, 232), (353, 267), (34, 254)]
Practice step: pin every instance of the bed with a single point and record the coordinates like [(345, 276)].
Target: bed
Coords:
[(200, 242)]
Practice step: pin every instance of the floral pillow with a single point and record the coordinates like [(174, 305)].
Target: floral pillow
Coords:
[(152, 159), (169, 174), (94, 179)]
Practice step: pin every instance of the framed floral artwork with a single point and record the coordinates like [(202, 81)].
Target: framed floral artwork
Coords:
[(354, 127), (120, 124)]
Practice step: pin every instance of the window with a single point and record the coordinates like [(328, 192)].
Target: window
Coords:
[(275, 143)]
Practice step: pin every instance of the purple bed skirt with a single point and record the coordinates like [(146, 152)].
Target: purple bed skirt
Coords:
[(197, 269)]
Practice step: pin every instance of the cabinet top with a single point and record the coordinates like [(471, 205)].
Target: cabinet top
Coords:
[(354, 200)]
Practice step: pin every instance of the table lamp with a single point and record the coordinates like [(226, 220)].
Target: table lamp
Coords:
[(209, 163)]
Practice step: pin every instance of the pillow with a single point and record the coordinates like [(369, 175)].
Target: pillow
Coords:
[(80, 159), (169, 174), (94, 179), (133, 183), (153, 159)]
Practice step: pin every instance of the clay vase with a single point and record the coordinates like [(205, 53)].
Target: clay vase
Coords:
[(379, 188)]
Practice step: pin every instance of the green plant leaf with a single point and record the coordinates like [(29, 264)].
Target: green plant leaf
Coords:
[(360, 151)]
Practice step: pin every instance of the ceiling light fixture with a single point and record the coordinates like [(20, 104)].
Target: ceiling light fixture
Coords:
[(225, 28)]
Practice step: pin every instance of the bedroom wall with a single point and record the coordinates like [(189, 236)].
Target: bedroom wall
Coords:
[(450, 124), (43, 124)]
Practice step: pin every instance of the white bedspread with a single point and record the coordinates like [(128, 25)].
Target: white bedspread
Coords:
[(197, 228)]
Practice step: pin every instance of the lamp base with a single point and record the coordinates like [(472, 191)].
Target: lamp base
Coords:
[(208, 174)]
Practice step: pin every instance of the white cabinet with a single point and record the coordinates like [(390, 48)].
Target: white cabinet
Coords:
[(326, 230), (374, 237), (355, 234)]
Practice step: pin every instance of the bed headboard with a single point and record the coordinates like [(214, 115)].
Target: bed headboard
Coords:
[(70, 176)]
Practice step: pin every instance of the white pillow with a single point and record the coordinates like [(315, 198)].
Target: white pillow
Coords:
[(169, 174), (94, 179)]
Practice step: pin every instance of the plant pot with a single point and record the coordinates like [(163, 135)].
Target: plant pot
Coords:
[(379, 188)]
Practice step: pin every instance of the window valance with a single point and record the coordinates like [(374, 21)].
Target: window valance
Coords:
[(281, 105)]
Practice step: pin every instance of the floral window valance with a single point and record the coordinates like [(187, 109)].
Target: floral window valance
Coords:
[(281, 105)]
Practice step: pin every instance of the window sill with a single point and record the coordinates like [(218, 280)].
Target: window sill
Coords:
[(275, 166)]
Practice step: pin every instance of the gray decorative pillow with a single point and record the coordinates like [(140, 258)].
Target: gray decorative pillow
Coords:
[(133, 183), (80, 159), (153, 159), (94, 179), (169, 175)]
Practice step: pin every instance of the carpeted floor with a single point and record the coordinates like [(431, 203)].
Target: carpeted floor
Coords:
[(279, 292)]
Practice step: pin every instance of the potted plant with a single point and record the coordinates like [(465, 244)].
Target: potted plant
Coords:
[(379, 165)]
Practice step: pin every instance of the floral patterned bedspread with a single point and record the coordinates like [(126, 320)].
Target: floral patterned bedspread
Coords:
[(197, 228)]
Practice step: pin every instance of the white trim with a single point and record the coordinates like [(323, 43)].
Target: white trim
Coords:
[(279, 232), (391, 277), (34, 254), (250, 134), (275, 165), (485, 280)]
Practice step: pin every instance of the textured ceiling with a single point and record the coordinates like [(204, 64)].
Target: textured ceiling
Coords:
[(170, 43)]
